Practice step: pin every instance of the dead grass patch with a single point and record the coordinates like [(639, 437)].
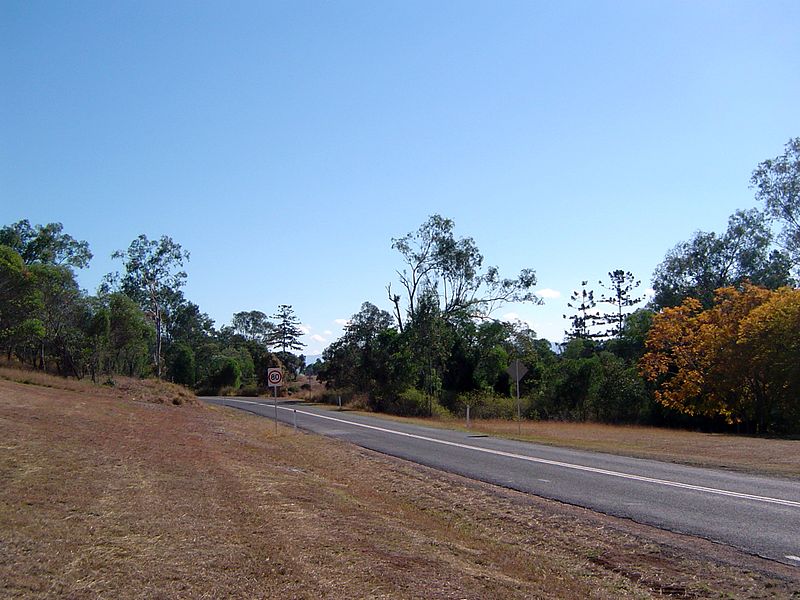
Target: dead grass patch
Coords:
[(126, 388), (102, 498)]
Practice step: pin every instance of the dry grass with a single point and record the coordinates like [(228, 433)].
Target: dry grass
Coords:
[(748, 454), (128, 388), (103, 497)]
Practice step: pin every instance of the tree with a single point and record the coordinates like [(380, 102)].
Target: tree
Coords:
[(45, 244), (130, 335), (153, 277), (182, 364), (450, 268), (356, 360), (777, 183), (769, 335), (61, 313), (585, 317), (736, 360), (286, 335), (709, 261), (20, 321), (253, 325), (622, 284)]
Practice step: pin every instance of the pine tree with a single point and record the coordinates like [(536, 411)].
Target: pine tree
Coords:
[(620, 297), (582, 302), (287, 331)]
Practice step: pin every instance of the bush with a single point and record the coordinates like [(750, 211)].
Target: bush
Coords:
[(249, 391), (413, 402), (226, 373), (486, 405)]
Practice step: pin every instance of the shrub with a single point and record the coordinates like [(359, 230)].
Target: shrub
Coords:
[(249, 391), (413, 402)]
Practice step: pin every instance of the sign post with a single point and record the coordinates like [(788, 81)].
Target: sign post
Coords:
[(275, 380), (517, 370)]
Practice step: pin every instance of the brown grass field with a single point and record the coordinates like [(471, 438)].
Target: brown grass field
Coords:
[(121, 493)]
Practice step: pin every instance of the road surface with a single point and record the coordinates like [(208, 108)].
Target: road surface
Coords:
[(757, 514)]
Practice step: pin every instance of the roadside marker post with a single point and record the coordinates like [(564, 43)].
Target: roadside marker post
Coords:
[(275, 380)]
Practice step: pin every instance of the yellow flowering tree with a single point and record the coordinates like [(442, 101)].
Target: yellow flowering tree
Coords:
[(737, 360)]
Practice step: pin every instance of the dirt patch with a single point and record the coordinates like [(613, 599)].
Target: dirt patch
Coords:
[(110, 498)]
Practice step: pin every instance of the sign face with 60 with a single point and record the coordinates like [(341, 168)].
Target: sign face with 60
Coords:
[(275, 377)]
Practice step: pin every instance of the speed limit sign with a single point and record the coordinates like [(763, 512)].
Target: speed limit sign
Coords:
[(275, 377)]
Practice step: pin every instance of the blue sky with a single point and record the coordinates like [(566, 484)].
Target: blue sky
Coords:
[(285, 143)]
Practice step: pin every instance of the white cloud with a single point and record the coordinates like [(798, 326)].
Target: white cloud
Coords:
[(304, 328), (318, 338), (649, 293), (342, 322), (327, 332), (548, 293)]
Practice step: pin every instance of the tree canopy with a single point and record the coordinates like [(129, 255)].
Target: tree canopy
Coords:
[(45, 244), (708, 261), (153, 277), (438, 263), (777, 184)]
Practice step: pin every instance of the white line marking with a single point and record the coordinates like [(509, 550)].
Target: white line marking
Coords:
[(555, 463), (793, 557)]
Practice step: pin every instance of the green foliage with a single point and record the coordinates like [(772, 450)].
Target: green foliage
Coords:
[(286, 333), (777, 183), (45, 244), (438, 263), (130, 336), (153, 277), (254, 326), (181, 364), (585, 316), (225, 373), (695, 269), (412, 402), (485, 404), (620, 297)]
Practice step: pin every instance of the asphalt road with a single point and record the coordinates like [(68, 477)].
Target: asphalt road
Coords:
[(760, 515)]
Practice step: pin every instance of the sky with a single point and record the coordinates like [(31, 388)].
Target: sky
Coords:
[(285, 143)]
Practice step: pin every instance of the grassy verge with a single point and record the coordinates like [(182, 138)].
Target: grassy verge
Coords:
[(104, 497), (750, 454)]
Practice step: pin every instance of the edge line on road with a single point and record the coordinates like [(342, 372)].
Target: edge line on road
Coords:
[(545, 461)]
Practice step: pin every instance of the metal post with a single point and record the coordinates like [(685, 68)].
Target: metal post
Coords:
[(295, 420), (340, 403), (275, 388), (467, 416)]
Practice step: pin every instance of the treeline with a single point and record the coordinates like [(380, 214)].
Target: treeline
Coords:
[(717, 346), (139, 323)]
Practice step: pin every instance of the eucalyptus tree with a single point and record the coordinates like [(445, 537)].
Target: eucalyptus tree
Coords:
[(777, 183), (709, 261), (452, 269), (153, 277), (254, 326), (45, 244)]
